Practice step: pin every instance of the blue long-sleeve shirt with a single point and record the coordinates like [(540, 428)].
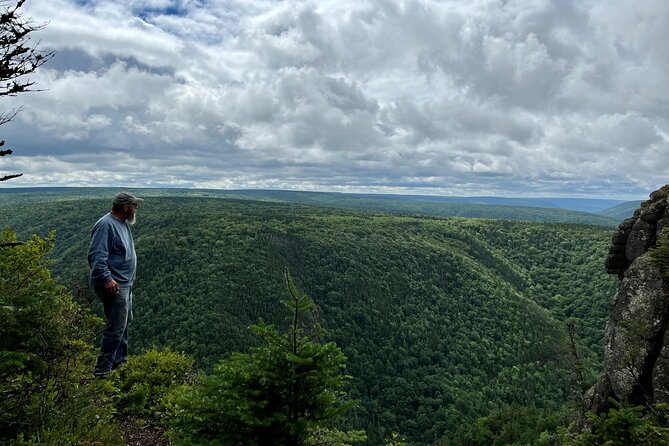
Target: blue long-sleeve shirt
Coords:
[(111, 254)]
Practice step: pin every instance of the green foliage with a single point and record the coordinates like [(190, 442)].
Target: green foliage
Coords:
[(85, 417), (323, 436), (288, 391), (45, 355), (622, 211), (660, 254), (442, 320), (395, 439), (512, 425), (147, 378), (624, 426)]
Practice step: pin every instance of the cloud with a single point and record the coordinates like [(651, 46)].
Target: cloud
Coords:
[(552, 97)]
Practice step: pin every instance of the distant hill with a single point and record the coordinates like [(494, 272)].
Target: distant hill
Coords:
[(442, 319), (519, 209), (574, 204), (621, 211)]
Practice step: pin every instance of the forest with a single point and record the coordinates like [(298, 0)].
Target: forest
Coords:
[(583, 211), (443, 321)]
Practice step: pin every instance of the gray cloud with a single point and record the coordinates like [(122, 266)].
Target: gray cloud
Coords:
[(540, 97)]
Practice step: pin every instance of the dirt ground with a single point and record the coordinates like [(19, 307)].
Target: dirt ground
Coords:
[(140, 434)]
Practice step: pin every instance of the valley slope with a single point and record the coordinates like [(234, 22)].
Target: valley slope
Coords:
[(442, 320)]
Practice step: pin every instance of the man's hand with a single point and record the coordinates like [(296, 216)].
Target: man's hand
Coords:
[(112, 287)]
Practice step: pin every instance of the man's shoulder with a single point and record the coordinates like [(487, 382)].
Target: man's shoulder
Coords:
[(105, 221)]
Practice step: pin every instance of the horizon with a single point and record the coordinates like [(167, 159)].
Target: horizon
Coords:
[(7, 188), (552, 99)]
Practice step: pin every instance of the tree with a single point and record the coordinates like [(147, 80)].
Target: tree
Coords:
[(660, 254), (625, 425), (288, 391), (45, 354), (19, 57)]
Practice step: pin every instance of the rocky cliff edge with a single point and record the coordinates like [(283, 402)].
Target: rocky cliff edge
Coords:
[(636, 363)]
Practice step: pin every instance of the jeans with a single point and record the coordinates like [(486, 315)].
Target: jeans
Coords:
[(118, 312)]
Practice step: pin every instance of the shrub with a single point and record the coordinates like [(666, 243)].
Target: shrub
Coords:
[(147, 378), (624, 426)]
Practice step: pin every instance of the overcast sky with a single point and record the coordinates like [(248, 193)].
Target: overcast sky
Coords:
[(477, 97)]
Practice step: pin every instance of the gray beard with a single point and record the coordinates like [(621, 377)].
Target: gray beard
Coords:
[(132, 219)]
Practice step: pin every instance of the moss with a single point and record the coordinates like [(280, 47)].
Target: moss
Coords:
[(660, 254)]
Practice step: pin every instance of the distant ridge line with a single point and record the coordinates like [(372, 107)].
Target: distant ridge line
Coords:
[(429, 206), (591, 205)]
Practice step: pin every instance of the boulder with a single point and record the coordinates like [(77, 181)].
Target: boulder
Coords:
[(661, 193), (652, 213)]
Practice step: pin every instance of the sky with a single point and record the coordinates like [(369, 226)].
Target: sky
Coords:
[(481, 97)]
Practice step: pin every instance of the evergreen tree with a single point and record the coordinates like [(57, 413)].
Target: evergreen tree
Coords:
[(288, 391), (660, 254), (625, 425), (45, 355), (18, 59)]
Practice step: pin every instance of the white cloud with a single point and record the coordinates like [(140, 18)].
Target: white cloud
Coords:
[(518, 97), (104, 29)]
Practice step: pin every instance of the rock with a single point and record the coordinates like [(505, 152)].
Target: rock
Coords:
[(596, 398), (627, 224), (661, 193), (616, 262), (652, 213), (662, 227), (661, 373), (638, 318), (640, 296), (620, 238), (642, 237), (635, 330), (636, 364)]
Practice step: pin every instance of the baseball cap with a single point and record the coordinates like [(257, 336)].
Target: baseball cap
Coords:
[(123, 198)]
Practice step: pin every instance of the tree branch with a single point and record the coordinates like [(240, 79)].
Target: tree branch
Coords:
[(9, 177)]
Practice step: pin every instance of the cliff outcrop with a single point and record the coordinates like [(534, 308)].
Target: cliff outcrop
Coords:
[(636, 363)]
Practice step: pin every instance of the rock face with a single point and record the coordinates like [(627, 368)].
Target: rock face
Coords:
[(636, 363)]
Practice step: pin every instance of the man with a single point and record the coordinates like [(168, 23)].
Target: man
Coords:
[(113, 263)]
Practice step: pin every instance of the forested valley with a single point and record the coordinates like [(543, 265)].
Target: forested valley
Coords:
[(452, 328)]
